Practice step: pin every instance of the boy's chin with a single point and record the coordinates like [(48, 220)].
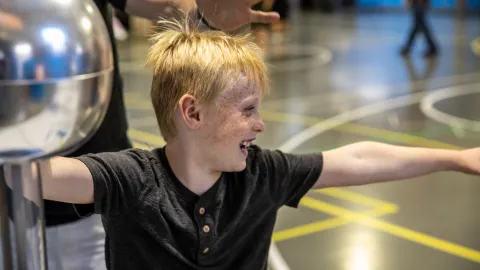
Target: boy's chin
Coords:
[(238, 167)]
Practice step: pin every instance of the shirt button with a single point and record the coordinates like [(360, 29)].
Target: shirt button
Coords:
[(202, 211), (205, 250), (206, 228)]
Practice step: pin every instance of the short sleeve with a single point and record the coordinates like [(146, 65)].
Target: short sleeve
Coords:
[(291, 176), (119, 179)]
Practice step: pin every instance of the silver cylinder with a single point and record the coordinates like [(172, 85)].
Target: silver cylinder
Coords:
[(56, 68), (22, 222)]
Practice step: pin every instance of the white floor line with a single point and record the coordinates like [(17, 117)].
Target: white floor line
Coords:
[(319, 56), (428, 108), (368, 110), (454, 79), (275, 259)]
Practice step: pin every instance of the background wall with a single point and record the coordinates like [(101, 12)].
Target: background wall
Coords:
[(441, 4)]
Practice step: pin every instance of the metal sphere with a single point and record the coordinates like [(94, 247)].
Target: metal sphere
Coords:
[(56, 66)]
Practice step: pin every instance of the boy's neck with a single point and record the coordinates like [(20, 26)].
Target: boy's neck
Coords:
[(187, 166)]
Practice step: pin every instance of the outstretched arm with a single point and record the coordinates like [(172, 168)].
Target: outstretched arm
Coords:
[(370, 162), (113, 181), (66, 180)]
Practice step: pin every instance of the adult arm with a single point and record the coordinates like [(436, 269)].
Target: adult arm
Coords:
[(227, 15)]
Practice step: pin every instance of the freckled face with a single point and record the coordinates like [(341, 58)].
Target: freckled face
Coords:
[(234, 122)]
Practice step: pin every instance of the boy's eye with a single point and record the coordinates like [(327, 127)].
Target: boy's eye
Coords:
[(249, 110)]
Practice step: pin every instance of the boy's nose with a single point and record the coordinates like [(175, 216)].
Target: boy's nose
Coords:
[(259, 126)]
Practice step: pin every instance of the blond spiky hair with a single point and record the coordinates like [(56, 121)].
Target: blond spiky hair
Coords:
[(185, 60)]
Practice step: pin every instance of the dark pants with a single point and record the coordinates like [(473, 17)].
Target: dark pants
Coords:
[(420, 25)]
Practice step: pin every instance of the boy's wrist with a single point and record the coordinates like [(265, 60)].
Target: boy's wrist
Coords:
[(455, 160), (466, 161), (452, 161)]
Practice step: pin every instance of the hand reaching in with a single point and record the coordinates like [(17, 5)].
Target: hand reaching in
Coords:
[(229, 15)]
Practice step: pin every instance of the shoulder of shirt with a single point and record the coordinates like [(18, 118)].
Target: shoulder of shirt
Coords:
[(258, 156), (138, 153), (256, 150), (149, 160), (141, 150)]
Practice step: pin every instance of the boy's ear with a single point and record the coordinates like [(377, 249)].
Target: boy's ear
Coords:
[(189, 110)]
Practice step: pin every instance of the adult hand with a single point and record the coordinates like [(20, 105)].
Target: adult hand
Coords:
[(229, 15)]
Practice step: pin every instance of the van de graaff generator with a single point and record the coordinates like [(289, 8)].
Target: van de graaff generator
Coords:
[(56, 68)]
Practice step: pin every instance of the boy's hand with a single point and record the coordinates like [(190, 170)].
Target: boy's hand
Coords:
[(470, 161), (229, 15)]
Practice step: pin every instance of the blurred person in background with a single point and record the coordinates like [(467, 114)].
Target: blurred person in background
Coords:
[(418, 10)]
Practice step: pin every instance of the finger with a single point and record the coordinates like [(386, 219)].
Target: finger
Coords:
[(263, 17)]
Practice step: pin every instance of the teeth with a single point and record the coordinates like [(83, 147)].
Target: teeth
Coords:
[(245, 144)]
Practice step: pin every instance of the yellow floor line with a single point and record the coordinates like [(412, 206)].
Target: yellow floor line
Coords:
[(141, 146), (323, 225), (396, 230), (138, 104), (356, 197), (146, 137), (476, 46), (306, 229)]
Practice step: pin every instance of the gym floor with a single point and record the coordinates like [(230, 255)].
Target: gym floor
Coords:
[(338, 79)]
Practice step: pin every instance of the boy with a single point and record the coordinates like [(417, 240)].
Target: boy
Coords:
[(209, 198)]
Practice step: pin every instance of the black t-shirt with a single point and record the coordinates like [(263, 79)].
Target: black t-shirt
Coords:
[(111, 136), (153, 221)]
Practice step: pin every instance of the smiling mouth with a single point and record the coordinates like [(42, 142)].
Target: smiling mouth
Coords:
[(244, 146)]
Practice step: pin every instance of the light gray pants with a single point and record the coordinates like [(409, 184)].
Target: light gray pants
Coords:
[(75, 246)]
